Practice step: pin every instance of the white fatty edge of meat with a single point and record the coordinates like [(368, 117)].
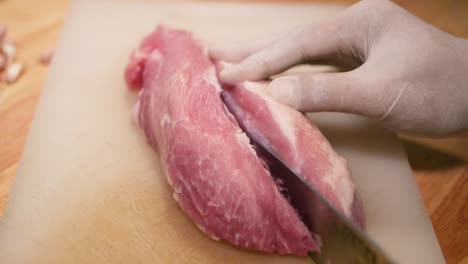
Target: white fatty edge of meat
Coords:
[(285, 121), (338, 178), (209, 76), (138, 54)]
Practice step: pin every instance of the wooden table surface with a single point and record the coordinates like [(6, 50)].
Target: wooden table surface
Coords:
[(440, 166)]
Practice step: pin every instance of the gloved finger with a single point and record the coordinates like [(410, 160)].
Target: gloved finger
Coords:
[(336, 92), (311, 43), (236, 52)]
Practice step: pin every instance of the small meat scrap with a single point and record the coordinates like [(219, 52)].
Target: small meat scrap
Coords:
[(9, 48), (10, 70), (13, 72), (46, 57)]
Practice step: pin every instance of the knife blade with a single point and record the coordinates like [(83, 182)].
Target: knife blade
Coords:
[(340, 240)]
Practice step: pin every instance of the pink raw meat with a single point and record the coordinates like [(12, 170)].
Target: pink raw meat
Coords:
[(217, 177), (300, 144)]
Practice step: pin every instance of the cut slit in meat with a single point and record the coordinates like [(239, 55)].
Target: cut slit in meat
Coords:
[(217, 177), (299, 144), (288, 185), (260, 144)]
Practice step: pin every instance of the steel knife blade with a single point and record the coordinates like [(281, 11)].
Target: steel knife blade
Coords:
[(341, 241)]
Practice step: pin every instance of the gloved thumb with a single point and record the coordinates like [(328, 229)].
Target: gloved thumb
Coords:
[(318, 92)]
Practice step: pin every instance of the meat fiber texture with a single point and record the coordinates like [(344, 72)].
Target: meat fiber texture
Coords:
[(217, 177)]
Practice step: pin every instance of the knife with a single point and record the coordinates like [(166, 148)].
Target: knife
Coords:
[(341, 241)]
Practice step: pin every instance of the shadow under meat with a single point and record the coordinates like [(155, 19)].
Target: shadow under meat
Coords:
[(426, 158)]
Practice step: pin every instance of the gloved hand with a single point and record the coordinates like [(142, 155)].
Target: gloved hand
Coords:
[(401, 70)]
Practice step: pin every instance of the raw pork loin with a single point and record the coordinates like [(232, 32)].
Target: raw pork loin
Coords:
[(217, 177)]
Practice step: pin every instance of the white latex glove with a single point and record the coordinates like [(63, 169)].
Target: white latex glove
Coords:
[(402, 71)]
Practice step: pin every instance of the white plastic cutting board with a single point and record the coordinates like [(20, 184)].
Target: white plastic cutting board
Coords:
[(90, 190)]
